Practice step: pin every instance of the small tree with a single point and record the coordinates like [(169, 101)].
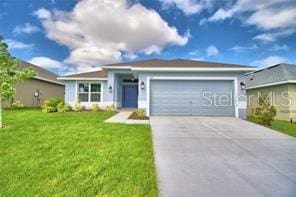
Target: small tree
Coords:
[(265, 111), (10, 74)]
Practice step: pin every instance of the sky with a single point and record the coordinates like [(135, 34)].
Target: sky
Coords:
[(71, 36)]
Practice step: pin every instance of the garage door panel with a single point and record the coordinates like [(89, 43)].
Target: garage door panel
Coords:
[(175, 97)]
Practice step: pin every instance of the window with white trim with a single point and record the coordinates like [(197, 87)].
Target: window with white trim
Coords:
[(89, 92)]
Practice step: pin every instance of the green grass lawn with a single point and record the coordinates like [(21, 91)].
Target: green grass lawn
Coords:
[(74, 154), (279, 125)]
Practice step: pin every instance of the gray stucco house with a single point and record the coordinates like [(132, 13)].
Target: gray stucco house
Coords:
[(163, 87)]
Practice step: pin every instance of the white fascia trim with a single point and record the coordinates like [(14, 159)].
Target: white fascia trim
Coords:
[(116, 67), (271, 84), (82, 78), (186, 69), (47, 80), (235, 79)]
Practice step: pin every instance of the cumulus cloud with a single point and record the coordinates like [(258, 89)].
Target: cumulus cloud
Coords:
[(27, 28), (212, 51), (99, 32), (46, 62), (276, 18), (269, 61), (14, 44), (188, 7)]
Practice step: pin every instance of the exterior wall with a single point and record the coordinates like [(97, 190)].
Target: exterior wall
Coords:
[(242, 101), (25, 92), (71, 95), (279, 95), (292, 96)]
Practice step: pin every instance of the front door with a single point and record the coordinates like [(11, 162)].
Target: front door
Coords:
[(129, 96)]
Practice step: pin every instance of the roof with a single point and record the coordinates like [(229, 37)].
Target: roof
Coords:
[(153, 64), (99, 74), (273, 75), (175, 63), (41, 73)]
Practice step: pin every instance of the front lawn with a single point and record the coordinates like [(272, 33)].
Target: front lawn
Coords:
[(279, 125), (74, 154)]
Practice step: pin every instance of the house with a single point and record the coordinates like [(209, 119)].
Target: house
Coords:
[(279, 84), (33, 92), (163, 87)]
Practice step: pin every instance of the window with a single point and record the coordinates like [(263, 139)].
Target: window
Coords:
[(89, 92)]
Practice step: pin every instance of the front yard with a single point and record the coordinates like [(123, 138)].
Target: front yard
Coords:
[(74, 154), (279, 125)]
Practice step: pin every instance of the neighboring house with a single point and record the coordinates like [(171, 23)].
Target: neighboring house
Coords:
[(279, 83), (33, 92), (163, 87)]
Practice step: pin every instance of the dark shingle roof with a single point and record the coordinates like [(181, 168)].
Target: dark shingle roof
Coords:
[(40, 72), (156, 63), (94, 74), (273, 74)]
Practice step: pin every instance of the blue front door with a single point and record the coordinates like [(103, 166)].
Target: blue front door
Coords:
[(129, 96)]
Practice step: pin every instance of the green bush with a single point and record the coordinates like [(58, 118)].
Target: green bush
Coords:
[(61, 107), (110, 108), (265, 112), (17, 104), (51, 105), (78, 107), (95, 107), (140, 113)]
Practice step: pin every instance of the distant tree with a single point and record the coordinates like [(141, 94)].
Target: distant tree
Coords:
[(265, 111), (10, 74)]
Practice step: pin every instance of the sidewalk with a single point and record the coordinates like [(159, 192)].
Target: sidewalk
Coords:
[(122, 117)]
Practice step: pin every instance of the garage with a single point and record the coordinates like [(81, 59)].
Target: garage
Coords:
[(192, 97)]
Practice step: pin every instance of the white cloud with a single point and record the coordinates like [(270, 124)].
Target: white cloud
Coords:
[(274, 35), (188, 7), (212, 51), (99, 32), (201, 58), (277, 47), (46, 62), (269, 61), (14, 44), (26, 28), (42, 13), (241, 49), (273, 17)]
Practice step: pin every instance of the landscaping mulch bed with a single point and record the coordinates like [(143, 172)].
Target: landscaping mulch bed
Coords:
[(135, 117)]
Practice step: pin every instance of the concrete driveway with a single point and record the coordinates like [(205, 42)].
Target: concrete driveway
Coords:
[(217, 156)]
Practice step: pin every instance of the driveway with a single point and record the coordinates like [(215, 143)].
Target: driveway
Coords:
[(217, 156)]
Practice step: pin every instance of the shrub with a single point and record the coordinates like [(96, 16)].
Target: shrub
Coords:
[(61, 107), (95, 107), (110, 108), (78, 107), (140, 113), (265, 112), (17, 104), (51, 105)]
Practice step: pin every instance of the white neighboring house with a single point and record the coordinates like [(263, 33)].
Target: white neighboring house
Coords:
[(163, 87)]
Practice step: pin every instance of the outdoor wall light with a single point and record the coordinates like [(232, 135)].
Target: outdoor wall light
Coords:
[(243, 86), (142, 85), (110, 89)]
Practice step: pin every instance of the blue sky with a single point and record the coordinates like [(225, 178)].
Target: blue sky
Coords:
[(77, 36)]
